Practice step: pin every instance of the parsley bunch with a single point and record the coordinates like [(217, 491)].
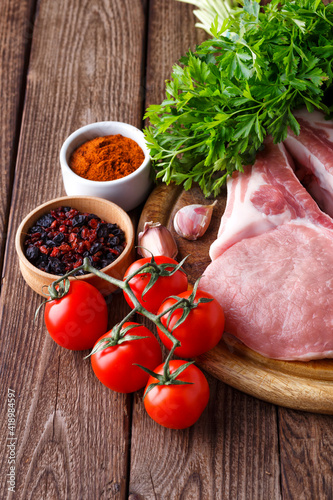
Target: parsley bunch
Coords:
[(239, 86)]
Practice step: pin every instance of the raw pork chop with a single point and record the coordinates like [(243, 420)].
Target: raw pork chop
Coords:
[(313, 151), (273, 267)]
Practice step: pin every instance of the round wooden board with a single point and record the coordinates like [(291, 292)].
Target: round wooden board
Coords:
[(304, 386)]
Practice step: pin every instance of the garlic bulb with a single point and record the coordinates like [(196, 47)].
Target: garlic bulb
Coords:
[(192, 221), (157, 240)]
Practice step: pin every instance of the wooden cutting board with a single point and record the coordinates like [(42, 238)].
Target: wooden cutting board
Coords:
[(304, 386)]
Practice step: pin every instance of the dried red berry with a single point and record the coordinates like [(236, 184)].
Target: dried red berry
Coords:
[(81, 248), (43, 249), (93, 223), (61, 239), (55, 252), (72, 213), (79, 262), (64, 247), (72, 237)]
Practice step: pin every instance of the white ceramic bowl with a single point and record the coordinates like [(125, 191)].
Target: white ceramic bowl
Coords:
[(127, 192)]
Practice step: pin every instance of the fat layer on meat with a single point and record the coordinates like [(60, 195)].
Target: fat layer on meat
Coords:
[(312, 151)]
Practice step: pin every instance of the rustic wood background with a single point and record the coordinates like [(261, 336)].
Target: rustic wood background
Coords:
[(64, 64)]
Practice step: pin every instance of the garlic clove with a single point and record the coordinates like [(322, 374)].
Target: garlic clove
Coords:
[(157, 240), (192, 221)]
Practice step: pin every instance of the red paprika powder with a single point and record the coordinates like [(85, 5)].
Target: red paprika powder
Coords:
[(106, 158)]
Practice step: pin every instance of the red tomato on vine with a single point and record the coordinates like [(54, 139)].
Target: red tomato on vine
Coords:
[(163, 285), (200, 331), (115, 365), (177, 405), (79, 318)]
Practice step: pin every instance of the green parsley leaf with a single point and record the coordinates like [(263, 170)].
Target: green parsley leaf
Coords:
[(224, 98)]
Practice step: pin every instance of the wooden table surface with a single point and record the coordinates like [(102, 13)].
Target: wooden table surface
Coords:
[(64, 64)]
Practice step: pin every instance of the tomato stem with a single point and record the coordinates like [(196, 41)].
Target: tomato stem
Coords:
[(166, 368), (63, 288)]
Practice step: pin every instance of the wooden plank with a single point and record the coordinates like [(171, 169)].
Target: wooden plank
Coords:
[(306, 449), (171, 33), (72, 433), (15, 37), (232, 451)]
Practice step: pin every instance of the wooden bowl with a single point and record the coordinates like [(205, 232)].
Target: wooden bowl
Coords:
[(106, 210)]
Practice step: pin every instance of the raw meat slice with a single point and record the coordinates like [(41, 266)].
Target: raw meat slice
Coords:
[(312, 149), (276, 287), (264, 197)]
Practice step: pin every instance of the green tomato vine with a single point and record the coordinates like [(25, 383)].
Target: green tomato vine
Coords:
[(61, 287)]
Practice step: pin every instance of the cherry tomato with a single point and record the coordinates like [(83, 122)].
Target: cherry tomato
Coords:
[(178, 406), (201, 330), (79, 318), (114, 366), (164, 286)]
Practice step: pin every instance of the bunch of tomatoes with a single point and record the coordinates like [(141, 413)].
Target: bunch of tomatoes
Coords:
[(129, 357)]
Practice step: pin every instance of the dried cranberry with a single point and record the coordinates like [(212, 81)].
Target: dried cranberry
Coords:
[(93, 223), (43, 249), (72, 237), (64, 247), (55, 252), (84, 233), (78, 262), (36, 235), (92, 236), (72, 213), (81, 247)]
